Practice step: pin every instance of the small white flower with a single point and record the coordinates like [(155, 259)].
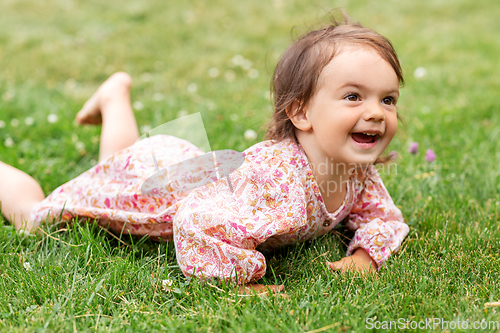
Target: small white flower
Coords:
[(211, 105), (146, 77), (52, 118), (2, 124), (27, 266), (192, 88), (253, 73), (229, 75), (420, 73), (138, 106), (250, 135), (145, 128), (213, 72), (29, 121), (246, 64), (70, 83), (9, 142), (233, 117), (158, 96), (237, 60), (166, 284), (189, 16), (14, 122), (80, 146), (182, 113), (8, 95)]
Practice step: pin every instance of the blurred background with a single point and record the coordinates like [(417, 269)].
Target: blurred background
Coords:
[(217, 58)]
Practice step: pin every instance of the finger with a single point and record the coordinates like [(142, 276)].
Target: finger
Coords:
[(278, 289), (336, 266)]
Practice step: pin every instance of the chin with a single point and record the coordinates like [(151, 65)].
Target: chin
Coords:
[(364, 162)]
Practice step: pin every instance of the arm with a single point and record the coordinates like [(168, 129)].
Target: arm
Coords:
[(379, 225)]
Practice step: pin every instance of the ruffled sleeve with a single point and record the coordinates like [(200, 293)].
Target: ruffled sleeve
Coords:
[(380, 228)]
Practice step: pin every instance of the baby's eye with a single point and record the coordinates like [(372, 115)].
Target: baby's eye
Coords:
[(388, 101), (352, 97)]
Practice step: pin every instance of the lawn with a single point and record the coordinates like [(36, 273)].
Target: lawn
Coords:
[(216, 58)]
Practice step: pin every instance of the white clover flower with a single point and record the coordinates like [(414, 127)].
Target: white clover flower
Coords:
[(138, 106), (167, 284), (278, 3), (146, 77), (14, 122), (213, 72), (8, 95), (237, 60), (253, 73), (192, 88), (145, 128), (52, 118), (2, 124), (80, 146), (246, 64), (70, 83), (233, 117), (9, 142), (211, 105), (250, 135), (27, 266), (182, 113), (29, 121), (229, 75), (420, 73), (158, 96), (189, 16)]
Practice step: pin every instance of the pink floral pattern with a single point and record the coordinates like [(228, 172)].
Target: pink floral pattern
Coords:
[(273, 201)]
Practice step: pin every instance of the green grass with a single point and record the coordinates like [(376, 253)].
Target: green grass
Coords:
[(55, 53)]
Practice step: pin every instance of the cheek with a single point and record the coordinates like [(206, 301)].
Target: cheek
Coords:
[(392, 125)]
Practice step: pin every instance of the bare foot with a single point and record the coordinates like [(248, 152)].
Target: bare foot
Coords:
[(116, 84), (260, 289)]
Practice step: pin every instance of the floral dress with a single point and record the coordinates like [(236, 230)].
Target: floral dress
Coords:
[(271, 200)]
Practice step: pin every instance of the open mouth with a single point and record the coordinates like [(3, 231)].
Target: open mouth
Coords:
[(365, 137)]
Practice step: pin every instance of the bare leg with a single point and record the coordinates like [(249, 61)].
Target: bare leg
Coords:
[(111, 105), (18, 194)]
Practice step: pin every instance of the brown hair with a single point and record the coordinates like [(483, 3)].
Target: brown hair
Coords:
[(296, 76)]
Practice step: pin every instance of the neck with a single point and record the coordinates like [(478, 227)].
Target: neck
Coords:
[(331, 176)]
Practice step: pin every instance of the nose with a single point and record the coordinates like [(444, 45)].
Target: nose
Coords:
[(374, 112)]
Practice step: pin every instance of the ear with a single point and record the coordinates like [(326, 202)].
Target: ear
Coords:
[(299, 119)]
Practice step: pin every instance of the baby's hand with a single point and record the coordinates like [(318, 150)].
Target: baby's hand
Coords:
[(359, 261)]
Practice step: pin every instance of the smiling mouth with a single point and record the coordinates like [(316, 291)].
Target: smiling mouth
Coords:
[(365, 137)]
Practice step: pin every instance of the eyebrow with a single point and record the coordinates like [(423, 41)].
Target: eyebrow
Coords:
[(363, 87)]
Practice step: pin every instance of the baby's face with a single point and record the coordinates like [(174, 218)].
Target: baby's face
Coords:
[(352, 115)]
